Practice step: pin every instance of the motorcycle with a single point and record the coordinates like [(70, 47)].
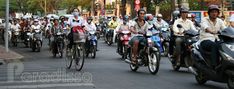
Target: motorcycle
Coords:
[(36, 40), (91, 46), (98, 32), (223, 72), (124, 37), (184, 57), (27, 37), (58, 44), (15, 36), (148, 55), (109, 36), (165, 39)]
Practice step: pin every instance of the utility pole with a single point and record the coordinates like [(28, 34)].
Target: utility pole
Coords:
[(7, 25)]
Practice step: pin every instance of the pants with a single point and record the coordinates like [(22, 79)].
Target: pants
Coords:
[(179, 44), (171, 44), (212, 47)]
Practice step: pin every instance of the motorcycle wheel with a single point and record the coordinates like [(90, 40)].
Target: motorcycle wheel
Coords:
[(230, 82), (94, 49), (166, 48), (109, 42), (200, 78), (38, 46), (132, 66), (125, 52), (154, 62)]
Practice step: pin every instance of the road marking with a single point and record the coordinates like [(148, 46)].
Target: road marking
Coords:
[(47, 85)]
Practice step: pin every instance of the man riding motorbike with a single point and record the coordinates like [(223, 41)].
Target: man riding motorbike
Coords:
[(178, 32), (139, 28), (232, 21), (208, 36), (113, 24), (125, 26), (89, 26)]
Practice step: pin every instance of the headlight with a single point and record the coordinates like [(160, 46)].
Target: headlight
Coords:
[(227, 56), (231, 47)]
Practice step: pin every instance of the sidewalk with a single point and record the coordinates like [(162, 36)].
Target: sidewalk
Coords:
[(10, 56)]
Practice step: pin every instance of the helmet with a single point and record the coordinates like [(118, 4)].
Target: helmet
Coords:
[(184, 10), (126, 17), (159, 16), (213, 7), (150, 17), (36, 20), (231, 18), (90, 18), (193, 15)]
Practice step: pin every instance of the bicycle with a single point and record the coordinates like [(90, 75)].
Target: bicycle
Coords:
[(77, 53)]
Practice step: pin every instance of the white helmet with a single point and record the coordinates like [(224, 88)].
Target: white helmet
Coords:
[(159, 15)]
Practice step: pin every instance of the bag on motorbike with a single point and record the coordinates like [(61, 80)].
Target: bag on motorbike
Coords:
[(78, 34)]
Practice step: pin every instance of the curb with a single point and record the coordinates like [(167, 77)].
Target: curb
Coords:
[(16, 57)]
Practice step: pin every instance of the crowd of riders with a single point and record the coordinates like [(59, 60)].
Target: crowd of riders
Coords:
[(111, 29)]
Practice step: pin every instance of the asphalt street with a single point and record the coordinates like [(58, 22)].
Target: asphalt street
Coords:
[(39, 70)]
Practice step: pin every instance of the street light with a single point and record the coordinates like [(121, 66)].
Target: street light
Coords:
[(6, 24)]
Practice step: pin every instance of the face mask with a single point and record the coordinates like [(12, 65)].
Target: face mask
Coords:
[(89, 21), (76, 13)]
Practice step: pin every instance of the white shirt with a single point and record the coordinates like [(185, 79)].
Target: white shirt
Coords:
[(90, 27), (143, 28), (206, 23), (186, 24), (76, 22), (15, 27), (35, 27)]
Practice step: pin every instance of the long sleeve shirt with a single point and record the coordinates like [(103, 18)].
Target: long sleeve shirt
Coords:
[(186, 24)]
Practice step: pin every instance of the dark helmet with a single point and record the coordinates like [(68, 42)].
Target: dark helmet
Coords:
[(90, 18), (126, 17), (213, 7)]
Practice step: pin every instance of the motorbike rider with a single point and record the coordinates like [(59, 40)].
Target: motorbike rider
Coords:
[(57, 28), (139, 28), (186, 25), (35, 25), (76, 22), (113, 24), (160, 23), (89, 26), (195, 22), (231, 20), (125, 26), (211, 25)]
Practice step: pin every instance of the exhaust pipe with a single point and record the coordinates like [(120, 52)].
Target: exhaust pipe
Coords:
[(192, 70), (127, 61)]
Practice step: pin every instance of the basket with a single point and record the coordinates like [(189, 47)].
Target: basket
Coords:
[(78, 35)]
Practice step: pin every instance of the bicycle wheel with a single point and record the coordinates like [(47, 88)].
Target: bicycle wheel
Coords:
[(68, 59), (80, 55)]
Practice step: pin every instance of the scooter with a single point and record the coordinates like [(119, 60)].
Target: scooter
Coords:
[(58, 44), (165, 39), (36, 41), (184, 57), (15, 36), (224, 71), (91, 44), (124, 37)]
